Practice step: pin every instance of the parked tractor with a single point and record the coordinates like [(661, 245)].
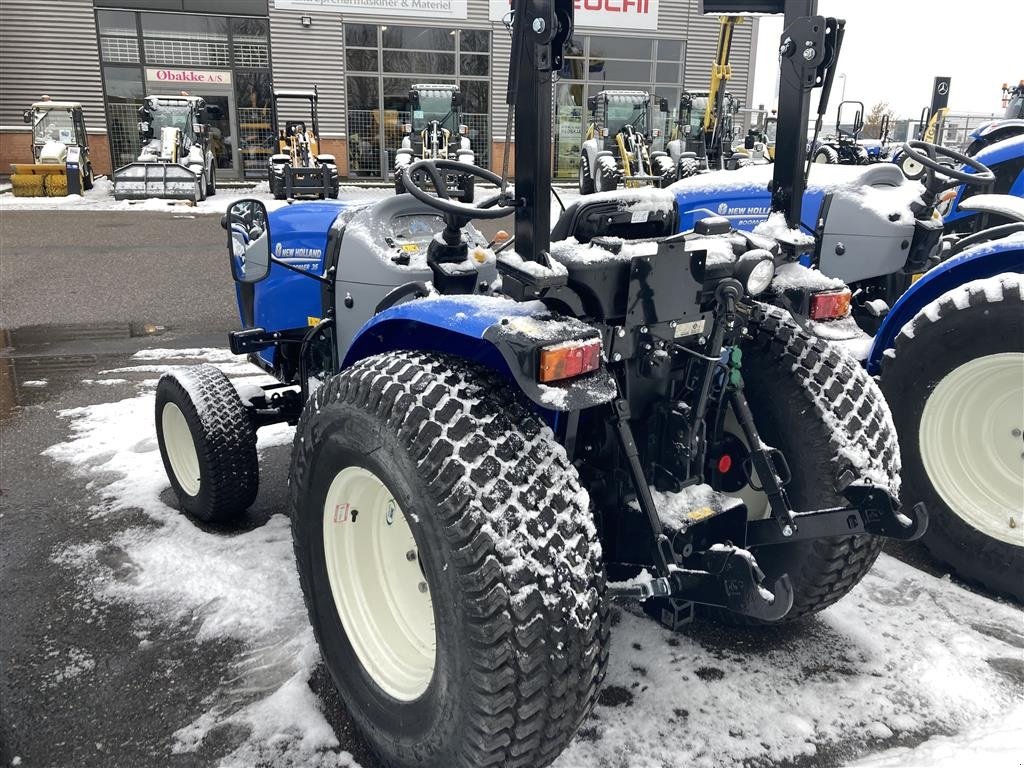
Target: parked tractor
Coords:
[(482, 465), (298, 168), (843, 147), (436, 132), (175, 160), (60, 152), (1011, 124), (617, 145)]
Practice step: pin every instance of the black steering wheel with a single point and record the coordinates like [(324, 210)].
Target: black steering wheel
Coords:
[(928, 159), (486, 209)]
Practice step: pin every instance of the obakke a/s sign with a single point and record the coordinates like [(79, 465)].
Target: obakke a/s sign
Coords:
[(601, 14)]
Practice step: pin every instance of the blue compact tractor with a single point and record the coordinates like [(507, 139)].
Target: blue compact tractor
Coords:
[(493, 444)]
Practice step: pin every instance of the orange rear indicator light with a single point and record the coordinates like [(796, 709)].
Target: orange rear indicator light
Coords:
[(830, 305), (569, 360)]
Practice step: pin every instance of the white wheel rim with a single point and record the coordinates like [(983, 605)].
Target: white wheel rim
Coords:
[(971, 444), (181, 449), (821, 157), (379, 590)]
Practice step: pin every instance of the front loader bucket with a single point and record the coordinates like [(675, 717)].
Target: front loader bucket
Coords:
[(49, 180), (139, 181)]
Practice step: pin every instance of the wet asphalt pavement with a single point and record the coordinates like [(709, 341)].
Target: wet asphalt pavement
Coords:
[(109, 284)]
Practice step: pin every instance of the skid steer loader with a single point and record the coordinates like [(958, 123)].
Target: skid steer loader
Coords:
[(60, 152), (299, 168), (617, 144), (436, 132), (175, 160)]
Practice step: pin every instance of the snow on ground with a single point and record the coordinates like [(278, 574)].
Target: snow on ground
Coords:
[(101, 198), (904, 658)]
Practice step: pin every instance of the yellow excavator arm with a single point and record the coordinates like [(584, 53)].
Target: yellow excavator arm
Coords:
[(721, 70)]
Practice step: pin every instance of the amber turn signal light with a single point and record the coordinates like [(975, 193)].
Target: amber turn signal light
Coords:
[(830, 305), (569, 360)]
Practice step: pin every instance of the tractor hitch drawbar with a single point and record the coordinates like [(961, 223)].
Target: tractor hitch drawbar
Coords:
[(871, 511), (723, 576)]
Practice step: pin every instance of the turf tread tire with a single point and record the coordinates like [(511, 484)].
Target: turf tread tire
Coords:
[(536, 661), (225, 441), (830, 155), (971, 554), (853, 424)]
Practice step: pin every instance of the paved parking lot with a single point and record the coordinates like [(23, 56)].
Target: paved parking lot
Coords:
[(130, 636)]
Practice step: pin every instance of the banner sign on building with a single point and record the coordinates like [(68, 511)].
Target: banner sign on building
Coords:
[(602, 14), (186, 77), (438, 9)]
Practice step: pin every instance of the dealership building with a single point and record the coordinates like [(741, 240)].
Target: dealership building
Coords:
[(362, 55)]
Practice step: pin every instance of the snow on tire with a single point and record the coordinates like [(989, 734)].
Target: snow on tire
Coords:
[(827, 416), (501, 539), (207, 443), (955, 381)]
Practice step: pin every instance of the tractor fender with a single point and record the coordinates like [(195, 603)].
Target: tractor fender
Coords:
[(498, 333), (982, 261), (328, 159)]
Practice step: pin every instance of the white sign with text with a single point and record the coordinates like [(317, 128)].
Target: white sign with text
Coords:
[(601, 14), (188, 76), (436, 9)]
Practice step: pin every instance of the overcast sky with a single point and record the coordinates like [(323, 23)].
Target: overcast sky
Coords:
[(894, 48)]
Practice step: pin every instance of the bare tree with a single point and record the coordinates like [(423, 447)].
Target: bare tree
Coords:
[(873, 122)]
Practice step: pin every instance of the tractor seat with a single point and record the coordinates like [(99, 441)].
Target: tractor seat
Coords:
[(626, 215), (295, 127), (881, 174)]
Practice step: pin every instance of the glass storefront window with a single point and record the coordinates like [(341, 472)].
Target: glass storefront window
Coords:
[(185, 40), (255, 123), (121, 23), (418, 38), (621, 71), (124, 93), (250, 42), (420, 62), (620, 48), (378, 103)]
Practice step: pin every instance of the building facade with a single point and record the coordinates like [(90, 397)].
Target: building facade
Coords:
[(362, 55)]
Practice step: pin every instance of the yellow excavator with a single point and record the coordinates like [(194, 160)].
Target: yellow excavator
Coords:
[(705, 122), (60, 152)]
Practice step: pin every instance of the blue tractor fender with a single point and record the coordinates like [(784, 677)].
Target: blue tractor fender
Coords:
[(287, 299), (500, 334), (1006, 159), (982, 261)]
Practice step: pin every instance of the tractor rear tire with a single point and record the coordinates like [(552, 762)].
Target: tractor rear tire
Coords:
[(820, 408), (956, 388), (586, 178), (88, 179), (504, 660), (827, 155), (207, 443)]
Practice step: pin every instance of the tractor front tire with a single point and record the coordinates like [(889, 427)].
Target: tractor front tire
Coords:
[(824, 413), (211, 184), (449, 564), (207, 443), (468, 190), (956, 388), (826, 155), (88, 179), (586, 178)]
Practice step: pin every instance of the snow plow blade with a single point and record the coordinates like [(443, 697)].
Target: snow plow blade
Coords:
[(139, 181), (43, 180)]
